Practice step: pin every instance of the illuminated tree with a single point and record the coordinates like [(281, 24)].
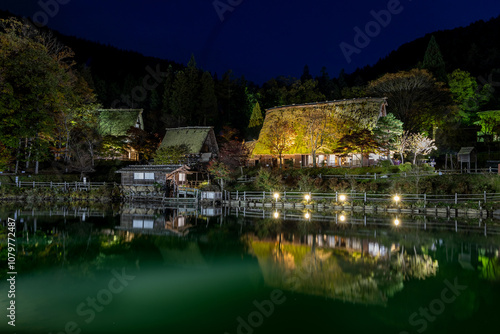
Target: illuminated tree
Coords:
[(361, 141), (387, 131), (466, 94), (256, 119), (317, 132), (421, 144), (280, 136), (402, 144)]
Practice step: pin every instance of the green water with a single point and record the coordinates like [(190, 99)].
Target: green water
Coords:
[(144, 270)]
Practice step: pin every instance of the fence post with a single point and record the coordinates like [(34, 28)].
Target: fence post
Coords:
[(284, 195), (264, 195), (237, 195), (456, 198), (375, 176), (245, 196), (336, 197), (425, 200), (33, 184), (485, 195), (365, 198), (51, 184)]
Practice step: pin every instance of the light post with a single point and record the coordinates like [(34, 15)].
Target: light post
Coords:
[(307, 197), (276, 196), (342, 198)]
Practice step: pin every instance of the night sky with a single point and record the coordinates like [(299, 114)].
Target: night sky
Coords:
[(259, 39)]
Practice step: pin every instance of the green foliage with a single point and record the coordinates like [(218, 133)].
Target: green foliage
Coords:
[(387, 130), (406, 167), (167, 155), (489, 122), (268, 181), (256, 119), (466, 94)]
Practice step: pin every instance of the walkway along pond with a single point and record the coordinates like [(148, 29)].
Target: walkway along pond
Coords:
[(457, 205)]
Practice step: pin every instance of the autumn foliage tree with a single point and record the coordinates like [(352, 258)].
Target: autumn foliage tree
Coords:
[(280, 136)]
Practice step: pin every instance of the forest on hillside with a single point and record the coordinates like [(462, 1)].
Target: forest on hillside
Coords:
[(445, 85)]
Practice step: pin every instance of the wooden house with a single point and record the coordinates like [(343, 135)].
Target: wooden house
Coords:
[(113, 127), (147, 175), (321, 123), (199, 140)]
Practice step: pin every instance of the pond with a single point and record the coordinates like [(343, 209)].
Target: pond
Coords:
[(139, 269)]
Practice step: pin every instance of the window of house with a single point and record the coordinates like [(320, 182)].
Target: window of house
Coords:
[(182, 177), (138, 176), (149, 176)]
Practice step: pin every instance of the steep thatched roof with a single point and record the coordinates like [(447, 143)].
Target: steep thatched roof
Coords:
[(361, 113), (116, 122), (192, 137)]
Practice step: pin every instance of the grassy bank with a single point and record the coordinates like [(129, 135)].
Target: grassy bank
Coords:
[(394, 179)]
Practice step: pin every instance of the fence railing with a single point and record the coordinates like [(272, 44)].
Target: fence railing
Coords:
[(65, 185), (376, 176), (364, 197)]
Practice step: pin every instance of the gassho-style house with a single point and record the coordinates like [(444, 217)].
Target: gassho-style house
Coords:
[(315, 126)]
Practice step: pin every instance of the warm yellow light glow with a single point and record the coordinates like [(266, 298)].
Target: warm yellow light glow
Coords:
[(276, 195), (307, 215), (307, 197), (396, 222), (342, 198), (397, 198), (276, 214), (342, 218)]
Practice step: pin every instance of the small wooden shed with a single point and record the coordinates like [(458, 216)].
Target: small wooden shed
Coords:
[(467, 155)]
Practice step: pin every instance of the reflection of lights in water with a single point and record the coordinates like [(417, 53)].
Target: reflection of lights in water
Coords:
[(307, 215), (342, 218), (307, 197), (276, 214), (396, 222), (342, 198)]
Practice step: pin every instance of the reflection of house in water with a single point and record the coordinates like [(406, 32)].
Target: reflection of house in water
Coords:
[(352, 244), (157, 221), (352, 269)]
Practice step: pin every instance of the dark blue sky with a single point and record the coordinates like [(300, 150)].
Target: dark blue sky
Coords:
[(260, 39)]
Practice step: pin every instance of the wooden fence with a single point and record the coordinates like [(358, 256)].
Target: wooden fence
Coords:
[(364, 197), (65, 185), (377, 176)]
